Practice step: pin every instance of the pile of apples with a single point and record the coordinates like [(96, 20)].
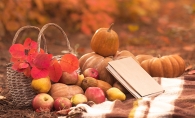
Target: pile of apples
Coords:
[(47, 100)]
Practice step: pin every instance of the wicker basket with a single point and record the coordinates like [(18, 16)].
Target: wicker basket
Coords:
[(69, 50), (18, 84)]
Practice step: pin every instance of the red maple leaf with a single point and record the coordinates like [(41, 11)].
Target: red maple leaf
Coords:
[(69, 63), (55, 71), (24, 57), (30, 44), (43, 60), (19, 63), (27, 71), (41, 65), (37, 73), (32, 53), (17, 51)]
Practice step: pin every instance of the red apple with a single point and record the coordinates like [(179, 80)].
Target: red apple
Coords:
[(42, 101), (62, 103), (95, 94), (91, 72), (69, 78)]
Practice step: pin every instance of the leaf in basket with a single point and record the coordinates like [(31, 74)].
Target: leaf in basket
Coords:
[(30, 44), (43, 60), (15, 66), (23, 65), (37, 73), (69, 63), (19, 64), (17, 51), (55, 71), (32, 55), (27, 71)]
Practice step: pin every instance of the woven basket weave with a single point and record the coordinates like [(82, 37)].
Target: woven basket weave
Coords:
[(18, 84)]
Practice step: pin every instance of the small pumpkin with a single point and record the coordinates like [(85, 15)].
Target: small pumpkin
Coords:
[(105, 42), (93, 60), (63, 90), (166, 66)]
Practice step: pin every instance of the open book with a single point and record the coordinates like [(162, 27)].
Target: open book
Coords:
[(134, 78)]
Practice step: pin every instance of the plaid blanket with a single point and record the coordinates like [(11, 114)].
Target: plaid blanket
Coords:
[(178, 101)]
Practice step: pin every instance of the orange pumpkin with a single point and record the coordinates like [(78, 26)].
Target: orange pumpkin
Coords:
[(105, 42), (62, 90), (93, 60), (166, 66)]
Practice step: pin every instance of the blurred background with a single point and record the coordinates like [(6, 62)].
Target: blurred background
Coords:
[(157, 27)]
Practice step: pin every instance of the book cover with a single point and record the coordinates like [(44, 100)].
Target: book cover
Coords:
[(134, 78)]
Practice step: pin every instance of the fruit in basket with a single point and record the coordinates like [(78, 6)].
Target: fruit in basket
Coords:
[(63, 90), (93, 60), (62, 103), (69, 78), (95, 94), (41, 85), (115, 94), (80, 79), (78, 98), (110, 41), (42, 101), (90, 72), (166, 66)]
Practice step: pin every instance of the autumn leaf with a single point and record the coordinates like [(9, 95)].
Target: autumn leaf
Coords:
[(27, 71), (69, 63), (19, 64), (37, 73), (42, 60), (15, 66), (23, 65), (30, 44), (32, 53), (55, 71), (17, 51)]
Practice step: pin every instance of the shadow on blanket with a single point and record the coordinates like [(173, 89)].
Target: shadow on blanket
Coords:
[(177, 101)]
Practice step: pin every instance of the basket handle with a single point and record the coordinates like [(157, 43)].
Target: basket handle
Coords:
[(29, 27), (70, 50)]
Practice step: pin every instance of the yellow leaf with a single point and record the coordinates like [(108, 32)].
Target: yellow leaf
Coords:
[(133, 28)]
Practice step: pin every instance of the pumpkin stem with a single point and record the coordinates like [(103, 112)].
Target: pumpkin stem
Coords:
[(110, 27), (159, 56)]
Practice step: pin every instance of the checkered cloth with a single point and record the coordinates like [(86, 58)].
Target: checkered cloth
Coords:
[(178, 101)]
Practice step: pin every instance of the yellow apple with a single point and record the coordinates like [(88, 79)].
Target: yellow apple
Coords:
[(41, 85), (78, 98), (80, 79)]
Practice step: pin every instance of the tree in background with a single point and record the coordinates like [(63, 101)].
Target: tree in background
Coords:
[(77, 15)]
